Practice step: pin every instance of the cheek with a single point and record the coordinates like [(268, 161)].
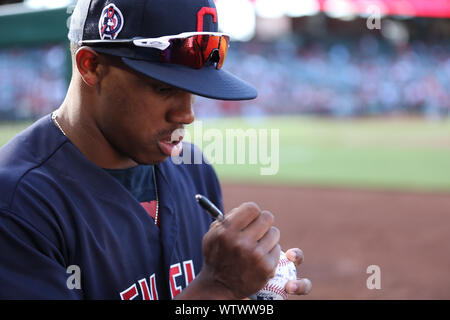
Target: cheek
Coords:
[(131, 119), (131, 127), (122, 108)]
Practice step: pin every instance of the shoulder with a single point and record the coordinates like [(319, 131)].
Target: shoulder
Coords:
[(26, 154)]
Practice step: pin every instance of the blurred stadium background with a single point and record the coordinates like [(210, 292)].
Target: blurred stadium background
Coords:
[(363, 109)]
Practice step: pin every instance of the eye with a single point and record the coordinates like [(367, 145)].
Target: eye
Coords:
[(164, 89), (161, 88)]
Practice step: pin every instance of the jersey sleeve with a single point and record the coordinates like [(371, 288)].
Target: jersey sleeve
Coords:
[(30, 265)]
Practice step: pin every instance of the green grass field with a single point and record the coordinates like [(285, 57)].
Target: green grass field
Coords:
[(408, 154), (9, 130), (405, 154)]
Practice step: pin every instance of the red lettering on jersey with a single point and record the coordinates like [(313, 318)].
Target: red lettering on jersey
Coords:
[(149, 293), (189, 274), (174, 271), (130, 293), (144, 289), (154, 292), (201, 16)]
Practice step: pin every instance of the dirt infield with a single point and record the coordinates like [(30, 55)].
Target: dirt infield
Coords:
[(342, 232)]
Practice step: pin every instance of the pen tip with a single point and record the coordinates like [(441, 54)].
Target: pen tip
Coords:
[(198, 197)]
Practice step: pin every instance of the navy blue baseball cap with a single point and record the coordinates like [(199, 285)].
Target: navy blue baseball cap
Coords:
[(133, 19)]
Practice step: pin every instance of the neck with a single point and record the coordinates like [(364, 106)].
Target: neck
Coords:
[(76, 117)]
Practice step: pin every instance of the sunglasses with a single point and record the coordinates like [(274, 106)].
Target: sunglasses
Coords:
[(191, 49)]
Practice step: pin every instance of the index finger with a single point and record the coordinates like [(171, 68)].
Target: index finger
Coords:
[(242, 216)]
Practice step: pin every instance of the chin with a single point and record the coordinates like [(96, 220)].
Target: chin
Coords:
[(150, 161)]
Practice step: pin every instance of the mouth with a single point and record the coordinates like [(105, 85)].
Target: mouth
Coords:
[(172, 145)]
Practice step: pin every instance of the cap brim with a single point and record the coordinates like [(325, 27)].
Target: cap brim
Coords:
[(206, 82)]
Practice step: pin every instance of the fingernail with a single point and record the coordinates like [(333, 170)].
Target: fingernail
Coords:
[(308, 285), (291, 255), (293, 288), (294, 255)]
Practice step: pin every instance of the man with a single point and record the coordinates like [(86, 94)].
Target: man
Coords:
[(91, 205)]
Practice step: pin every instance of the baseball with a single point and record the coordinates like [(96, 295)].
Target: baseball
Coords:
[(275, 288)]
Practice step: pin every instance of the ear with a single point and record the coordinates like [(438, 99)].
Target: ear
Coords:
[(88, 65)]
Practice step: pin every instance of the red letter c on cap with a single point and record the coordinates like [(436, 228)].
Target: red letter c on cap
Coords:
[(201, 15)]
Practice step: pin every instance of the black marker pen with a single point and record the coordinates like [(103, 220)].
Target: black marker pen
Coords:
[(210, 207)]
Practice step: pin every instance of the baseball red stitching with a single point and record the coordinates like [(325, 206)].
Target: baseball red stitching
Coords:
[(275, 289), (283, 262)]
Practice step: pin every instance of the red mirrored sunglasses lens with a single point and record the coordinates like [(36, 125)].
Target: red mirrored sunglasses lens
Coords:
[(195, 51), (223, 50)]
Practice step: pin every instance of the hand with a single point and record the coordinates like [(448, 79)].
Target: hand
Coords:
[(299, 286), (241, 253)]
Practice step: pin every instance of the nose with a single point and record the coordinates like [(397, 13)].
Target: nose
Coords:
[(183, 111)]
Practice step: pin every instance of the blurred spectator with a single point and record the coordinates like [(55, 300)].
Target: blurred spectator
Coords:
[(359, 77), (32, 81), (346, 79)]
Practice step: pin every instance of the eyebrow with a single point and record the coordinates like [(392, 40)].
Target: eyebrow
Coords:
[(153, 82)]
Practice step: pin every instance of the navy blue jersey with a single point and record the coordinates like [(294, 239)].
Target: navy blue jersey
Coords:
[(60, 213)]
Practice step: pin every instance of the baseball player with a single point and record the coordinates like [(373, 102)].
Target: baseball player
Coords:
[(91, 205)]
